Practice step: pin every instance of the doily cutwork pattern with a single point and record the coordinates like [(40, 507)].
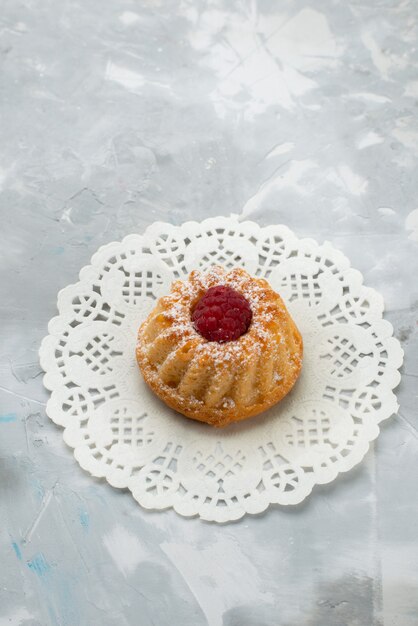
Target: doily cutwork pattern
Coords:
[(120, 431)]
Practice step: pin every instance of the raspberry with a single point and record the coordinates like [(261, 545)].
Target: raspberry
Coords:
[(222, 314)]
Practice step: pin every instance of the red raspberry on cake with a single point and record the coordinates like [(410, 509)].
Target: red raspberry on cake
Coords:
[(222, 314)]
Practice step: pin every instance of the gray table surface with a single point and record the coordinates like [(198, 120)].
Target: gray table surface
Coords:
[(118, 113)]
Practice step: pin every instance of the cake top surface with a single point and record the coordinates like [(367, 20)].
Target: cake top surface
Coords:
[(266, 307)]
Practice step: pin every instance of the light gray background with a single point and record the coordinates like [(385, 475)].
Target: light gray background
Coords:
[(118, 113)]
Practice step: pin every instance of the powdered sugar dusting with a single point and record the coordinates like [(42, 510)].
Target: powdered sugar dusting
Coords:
[(185, 295)]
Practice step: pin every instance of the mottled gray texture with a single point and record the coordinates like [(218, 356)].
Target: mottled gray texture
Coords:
[(117, 113)]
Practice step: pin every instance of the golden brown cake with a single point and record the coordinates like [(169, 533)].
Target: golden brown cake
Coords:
[(220, 347)]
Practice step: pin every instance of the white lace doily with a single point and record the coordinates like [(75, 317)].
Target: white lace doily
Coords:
[(120, 431)]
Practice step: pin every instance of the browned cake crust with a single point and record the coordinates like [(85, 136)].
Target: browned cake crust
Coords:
[(212, 382)]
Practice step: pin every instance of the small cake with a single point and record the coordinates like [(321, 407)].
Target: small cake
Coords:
[(220, 347)]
